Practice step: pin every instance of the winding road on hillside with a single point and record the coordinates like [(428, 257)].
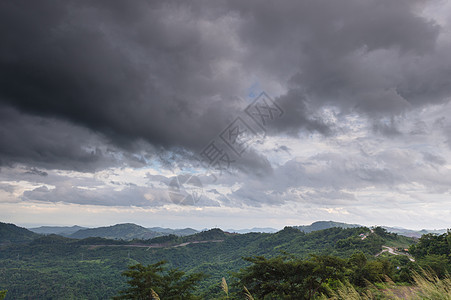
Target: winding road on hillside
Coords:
[(394, 252), (151, 246)]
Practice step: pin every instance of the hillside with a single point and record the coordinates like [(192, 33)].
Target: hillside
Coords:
[(413, 233), (401, 231), (178, 232), (127, 231), (90, 268), (255, 229), (320, 225), (10, 233), (131, 231), (60, 230)]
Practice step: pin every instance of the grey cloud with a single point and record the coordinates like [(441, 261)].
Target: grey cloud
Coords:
[(434, 159), (157, 178), (151, 81), (35, 171), (419, 128), (332, 178), (386, 127), (253, 163), (148, 77), (51, 143), (282, 148), (7, 187), (88, 193), (253, 197), (363, 55), (130, 196), (329, 197), (297, 115)]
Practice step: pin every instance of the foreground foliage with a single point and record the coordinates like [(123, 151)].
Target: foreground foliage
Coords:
[(145, 282), (284, 277), (427, 286), (434, 252)]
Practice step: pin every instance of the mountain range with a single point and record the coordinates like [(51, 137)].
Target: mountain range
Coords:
[(50, 266), (320, 225), (126, 231), (130, 231), (413, 233), (88, 265), (255, 229)]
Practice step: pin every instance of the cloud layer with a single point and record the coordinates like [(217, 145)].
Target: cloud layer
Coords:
[(89, 88)]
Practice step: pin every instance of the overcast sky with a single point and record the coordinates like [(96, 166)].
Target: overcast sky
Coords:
[(235, 114)]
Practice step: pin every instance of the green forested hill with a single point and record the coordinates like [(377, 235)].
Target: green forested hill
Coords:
[(10, 233), (127, 231), (178, 232), (63, 268), (320, 225), (60, 230)]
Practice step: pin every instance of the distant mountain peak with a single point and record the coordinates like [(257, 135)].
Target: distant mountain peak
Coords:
[(320, 225), (255, 229)]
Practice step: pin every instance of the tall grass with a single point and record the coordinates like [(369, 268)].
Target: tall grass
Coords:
[(247, 294), (225, 287), (427, 287), (431, 287), (154, 295)]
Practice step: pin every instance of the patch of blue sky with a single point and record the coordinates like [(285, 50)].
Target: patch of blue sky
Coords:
[(254, 90)]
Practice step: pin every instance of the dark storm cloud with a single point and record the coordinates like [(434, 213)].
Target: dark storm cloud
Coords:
[(29, 139), (50, 143), (166, 72), (297, 115), (364, 55), (357, 61), (125, 70)]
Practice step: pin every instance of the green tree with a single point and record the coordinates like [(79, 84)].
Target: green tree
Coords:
[(361, 270), (357, 263), (382, 232), (432, 244), (287, 277), (3, 294), (434, 252), (168, 284), (358, 260), (437, 263)]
